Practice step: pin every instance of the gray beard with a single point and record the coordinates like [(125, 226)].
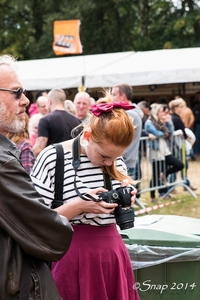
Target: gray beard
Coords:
[(10, 125)]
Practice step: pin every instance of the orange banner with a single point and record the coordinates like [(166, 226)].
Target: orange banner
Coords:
[(66, 37)]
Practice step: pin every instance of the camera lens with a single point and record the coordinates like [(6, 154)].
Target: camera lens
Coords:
[(124, 217)]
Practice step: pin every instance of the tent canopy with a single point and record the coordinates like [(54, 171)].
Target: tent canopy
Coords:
[(105, 70), (64, 72)]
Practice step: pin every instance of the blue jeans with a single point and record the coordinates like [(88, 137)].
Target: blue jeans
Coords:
[(135, 173)]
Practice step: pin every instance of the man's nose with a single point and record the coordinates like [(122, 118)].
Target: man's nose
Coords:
[(24, 101)]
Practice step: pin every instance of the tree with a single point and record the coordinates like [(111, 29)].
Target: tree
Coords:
[(26, 29)]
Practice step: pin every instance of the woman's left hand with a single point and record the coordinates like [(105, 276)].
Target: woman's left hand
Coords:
[(133, 193)]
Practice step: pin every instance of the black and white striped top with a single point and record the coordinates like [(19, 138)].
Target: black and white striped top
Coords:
[(88, 177)]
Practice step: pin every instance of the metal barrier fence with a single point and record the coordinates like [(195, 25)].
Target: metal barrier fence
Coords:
[(151, 170)]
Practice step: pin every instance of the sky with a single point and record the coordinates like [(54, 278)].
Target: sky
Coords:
[(177, 3)]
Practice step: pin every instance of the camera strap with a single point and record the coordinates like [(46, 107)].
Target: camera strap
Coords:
[(59, 176), (107, 182), (76, 163)]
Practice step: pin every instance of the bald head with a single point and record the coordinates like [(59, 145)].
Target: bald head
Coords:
[(82, 104), (42, 104)]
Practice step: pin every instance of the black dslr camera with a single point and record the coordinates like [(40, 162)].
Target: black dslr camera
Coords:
[(124, 213)]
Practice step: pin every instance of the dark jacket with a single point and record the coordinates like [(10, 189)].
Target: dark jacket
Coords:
[(178, 124), (27, 226), (196, 112)]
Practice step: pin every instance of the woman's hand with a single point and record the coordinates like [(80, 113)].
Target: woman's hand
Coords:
[(178, 132), (99, 206), (77, 206), (133, 193), (151, 136)]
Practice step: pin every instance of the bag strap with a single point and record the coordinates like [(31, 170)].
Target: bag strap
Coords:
[(59, 176)]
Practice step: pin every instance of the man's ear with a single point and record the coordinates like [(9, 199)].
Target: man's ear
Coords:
[(123, 96)]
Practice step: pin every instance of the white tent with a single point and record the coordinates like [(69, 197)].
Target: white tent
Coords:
[(105, 70), (62, 72)]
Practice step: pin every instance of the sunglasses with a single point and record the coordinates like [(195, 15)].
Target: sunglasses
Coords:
[(17, 92)]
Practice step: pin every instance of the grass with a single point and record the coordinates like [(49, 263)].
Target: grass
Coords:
[(188, 206)]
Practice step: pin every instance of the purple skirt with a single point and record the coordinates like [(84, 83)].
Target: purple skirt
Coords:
[(96, 266)]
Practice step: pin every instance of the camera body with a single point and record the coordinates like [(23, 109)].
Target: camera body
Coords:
[(124, 213)]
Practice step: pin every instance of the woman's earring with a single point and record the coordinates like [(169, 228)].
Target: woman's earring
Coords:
[(84, 142), (85, 138)]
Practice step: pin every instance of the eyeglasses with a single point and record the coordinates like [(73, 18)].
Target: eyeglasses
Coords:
[(17, 92)]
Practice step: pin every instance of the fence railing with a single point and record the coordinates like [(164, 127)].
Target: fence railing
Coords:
[(144, 169)]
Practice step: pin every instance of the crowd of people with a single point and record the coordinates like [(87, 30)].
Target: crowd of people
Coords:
[(80, 237), (170, 143)]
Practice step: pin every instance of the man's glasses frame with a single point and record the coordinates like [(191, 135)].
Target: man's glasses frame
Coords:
[(17, 92)]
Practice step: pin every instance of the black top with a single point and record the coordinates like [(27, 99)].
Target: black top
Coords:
[(178, 124), (57, 126), (196, 112)]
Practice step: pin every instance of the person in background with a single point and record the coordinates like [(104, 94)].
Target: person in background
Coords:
[(33, 109), (123, 92), (82, 105), (163, 162), (176, 106), (57, 125), (196, 111), (187, 117), (21, 139), (33, 128), (70, 107), (97, 265), (145, 107), (42, 105)]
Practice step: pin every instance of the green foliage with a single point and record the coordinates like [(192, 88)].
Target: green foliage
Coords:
[(26, 29)]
